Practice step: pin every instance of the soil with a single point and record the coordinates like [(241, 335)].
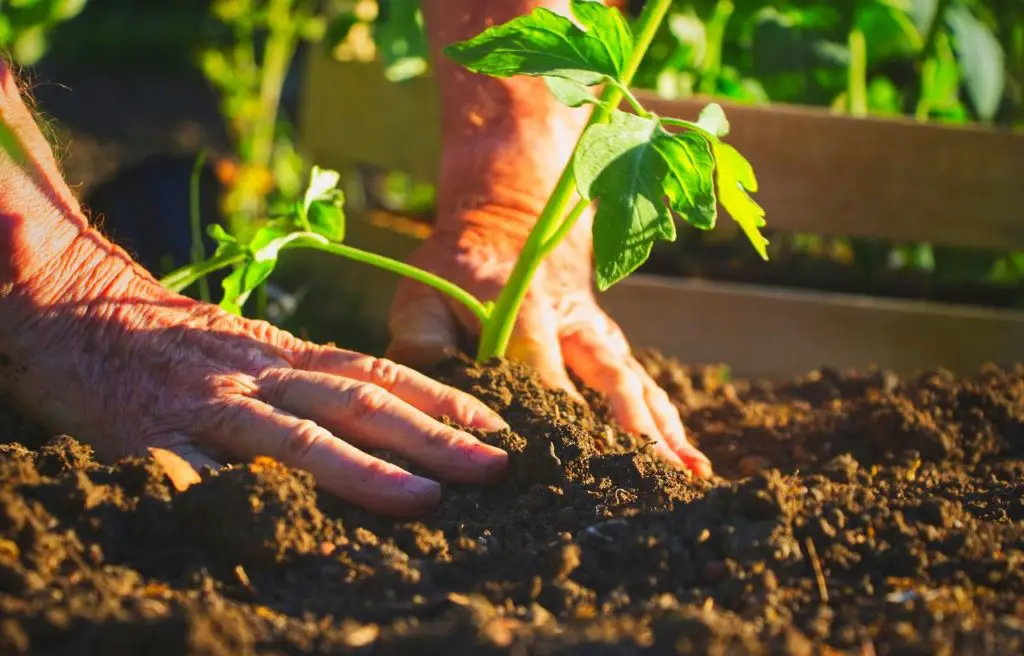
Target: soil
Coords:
[(857, 514)]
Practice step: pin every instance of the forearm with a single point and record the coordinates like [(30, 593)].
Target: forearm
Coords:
[(49, 255), (504, 141)]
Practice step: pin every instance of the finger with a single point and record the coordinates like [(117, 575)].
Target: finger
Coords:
[(423, 329), (373, 418), (666, 416), (249, 428), (535, 342), (409, 385), (599, 361)]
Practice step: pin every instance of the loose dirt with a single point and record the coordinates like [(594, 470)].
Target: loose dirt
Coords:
[(858, 514)]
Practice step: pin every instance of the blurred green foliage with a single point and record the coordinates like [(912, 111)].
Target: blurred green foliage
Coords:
[(25, 25)]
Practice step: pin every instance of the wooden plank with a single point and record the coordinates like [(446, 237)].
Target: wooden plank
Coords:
[(821, 173), (771, 333), (349, 113)]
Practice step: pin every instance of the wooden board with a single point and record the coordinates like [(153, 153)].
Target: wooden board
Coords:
[(818, 172), (763, 332), (349, 113)]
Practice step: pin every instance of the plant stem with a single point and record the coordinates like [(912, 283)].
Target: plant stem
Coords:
[(195, 222), (630, 98), (716, 40), (564, 229), (928, 51), (185, 276), (857, 75), (497, 332), (689, 125), (934, 27), (474, 305)]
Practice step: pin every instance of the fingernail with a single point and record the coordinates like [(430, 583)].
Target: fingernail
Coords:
[(420, 486), (488, 457), (699, 465), (492, 421)]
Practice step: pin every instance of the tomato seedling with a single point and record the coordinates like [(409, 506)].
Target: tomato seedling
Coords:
[(636, 169)]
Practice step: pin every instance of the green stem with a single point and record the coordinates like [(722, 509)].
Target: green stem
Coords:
[(630, 98), (565, 228), (277, 55), (934, 27), (185, 276), (497, 332), (195, 222), (928, 49), (479, 310), (689, 125), (857, 76), (715, 40)]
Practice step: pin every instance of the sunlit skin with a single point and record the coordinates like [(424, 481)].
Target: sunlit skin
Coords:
[(92, 345), (505, 143)]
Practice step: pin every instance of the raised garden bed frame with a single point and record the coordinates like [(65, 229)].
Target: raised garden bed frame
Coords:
[(819, 172)]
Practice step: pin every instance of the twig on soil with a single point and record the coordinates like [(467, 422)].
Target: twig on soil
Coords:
[(819, 575), (596, 528), (243, 578)]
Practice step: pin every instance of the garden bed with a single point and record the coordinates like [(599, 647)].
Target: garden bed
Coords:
[(867, 513)]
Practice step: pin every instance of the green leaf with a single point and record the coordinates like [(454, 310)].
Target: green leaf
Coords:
[(327, 219), (736, 180), (548, 44), (890, 29), (265, 246), (630, 164), (981, 61), (712, 118), (569, 92), (689, 184), (220, 235)]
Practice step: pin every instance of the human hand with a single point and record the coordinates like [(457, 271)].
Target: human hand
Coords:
[(92, 345), (560, 326)]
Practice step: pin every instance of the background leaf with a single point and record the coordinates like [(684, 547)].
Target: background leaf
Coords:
[(981, 61)]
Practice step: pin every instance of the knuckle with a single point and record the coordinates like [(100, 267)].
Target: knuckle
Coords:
[(271, 383), (220, 422), (363, 400), (303, 439), (384, 373)]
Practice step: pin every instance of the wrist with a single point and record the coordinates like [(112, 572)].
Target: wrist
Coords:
[(500, 176)]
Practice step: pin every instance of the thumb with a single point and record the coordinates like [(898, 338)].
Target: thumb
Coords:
[(423, 329), (536, 343)]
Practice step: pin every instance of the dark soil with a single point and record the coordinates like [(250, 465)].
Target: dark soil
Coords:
[(857, 514)]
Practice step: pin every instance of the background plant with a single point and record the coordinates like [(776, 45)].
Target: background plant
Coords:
[(25, 25)]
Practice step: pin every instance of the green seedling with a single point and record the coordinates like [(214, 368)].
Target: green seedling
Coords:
[(638, 167)]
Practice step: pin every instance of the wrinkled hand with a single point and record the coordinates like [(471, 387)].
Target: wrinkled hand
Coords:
[(92, 345), (145, 369), (560, 326)]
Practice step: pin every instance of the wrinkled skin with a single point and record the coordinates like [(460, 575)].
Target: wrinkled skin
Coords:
[(505, 143), (91, 344)]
